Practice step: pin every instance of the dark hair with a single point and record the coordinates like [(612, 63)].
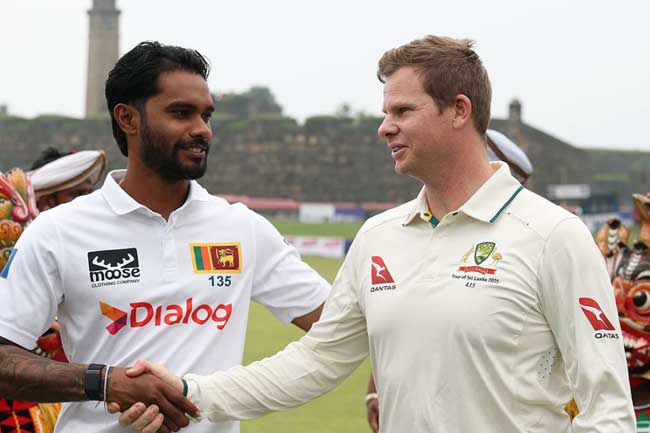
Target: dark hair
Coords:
[(134, 78), (48, 155)]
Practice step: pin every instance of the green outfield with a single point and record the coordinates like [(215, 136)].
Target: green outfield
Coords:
[(292, 227), (342, 410)]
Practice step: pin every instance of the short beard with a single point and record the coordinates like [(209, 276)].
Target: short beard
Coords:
[(154, 154)]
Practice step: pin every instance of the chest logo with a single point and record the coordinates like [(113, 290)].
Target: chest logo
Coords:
[(220, 258), (380, 277), (379, 272), (110, 267), (482, 252)]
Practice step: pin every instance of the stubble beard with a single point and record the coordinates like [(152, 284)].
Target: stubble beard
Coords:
[(154, 153)]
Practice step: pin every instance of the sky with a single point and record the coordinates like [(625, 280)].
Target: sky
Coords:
[(580, 68)]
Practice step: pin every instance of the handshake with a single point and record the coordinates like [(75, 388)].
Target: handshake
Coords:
[(150, 397)]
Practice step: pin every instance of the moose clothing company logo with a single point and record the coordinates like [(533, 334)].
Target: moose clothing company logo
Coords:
[(380, 277), (145, 314), (111, 267), (216, 258)]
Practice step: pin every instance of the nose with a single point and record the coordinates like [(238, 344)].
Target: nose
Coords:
[(201, 128), (388, 128)]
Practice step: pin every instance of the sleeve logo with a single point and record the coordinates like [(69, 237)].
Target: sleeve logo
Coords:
[(5, 270), (222, 258), (595, 315)]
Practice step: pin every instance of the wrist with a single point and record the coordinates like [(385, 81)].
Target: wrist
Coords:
[(371, 396), (94, 382)]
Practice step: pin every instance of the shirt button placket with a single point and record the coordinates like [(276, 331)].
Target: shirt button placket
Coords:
[(169, 251)]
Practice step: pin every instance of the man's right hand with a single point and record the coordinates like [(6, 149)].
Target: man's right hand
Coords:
[(147, 389)]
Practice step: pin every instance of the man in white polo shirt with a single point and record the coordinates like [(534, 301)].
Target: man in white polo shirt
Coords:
[(483, 306), (151, 265), (499, 148)]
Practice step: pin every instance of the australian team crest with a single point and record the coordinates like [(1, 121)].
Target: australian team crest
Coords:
[(483, 251)]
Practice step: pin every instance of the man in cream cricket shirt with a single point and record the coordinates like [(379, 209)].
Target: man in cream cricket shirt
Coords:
[(483, 306)]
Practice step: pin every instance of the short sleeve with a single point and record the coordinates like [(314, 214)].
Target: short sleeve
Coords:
[(30, 289), (282, 282), (331, 350)]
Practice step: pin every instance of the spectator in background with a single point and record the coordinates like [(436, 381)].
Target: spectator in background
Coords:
[(58, 177)]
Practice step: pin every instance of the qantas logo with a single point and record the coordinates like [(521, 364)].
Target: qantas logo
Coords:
[(595, 315), (145, 314), (380, 277), (379, 272)]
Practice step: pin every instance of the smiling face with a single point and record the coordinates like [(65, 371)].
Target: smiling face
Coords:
[(175, 132), (416, 130)]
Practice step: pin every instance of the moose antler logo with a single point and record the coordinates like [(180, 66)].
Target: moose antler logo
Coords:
[(113, 265)]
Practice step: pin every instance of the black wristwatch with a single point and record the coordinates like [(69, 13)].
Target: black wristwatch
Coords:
[(93, 384)]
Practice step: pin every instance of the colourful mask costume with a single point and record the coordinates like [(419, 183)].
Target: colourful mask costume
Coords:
[(629, 267), (17, 210)]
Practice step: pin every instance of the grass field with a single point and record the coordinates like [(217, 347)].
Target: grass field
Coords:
[(343, 409), (292, 227)]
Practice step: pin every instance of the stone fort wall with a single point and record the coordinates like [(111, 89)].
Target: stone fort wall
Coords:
[(327, 159)]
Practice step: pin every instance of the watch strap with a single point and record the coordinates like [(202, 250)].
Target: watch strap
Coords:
[(93, 382)]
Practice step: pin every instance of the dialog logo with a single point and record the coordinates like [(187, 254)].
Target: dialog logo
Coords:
[(145, 314), (595, 315), (116, 315), (110, 267)]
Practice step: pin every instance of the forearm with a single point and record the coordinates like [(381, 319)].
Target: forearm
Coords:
[(291, 378), (29, 377)]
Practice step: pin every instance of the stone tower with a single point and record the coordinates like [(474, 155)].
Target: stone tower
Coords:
[(103, 52)]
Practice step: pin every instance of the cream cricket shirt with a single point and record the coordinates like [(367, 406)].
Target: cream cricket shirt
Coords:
[(489, 320), (128, 285)]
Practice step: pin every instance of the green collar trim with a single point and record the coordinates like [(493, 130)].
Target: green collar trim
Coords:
[(512, 197), (427, 216)]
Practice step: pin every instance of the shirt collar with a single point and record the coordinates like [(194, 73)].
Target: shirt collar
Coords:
[(122, 203), (486, 204)]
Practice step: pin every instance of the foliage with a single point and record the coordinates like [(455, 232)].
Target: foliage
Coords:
[(256, 100)]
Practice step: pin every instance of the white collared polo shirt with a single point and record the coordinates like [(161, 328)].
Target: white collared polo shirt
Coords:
[(128, 285), (489, 320)]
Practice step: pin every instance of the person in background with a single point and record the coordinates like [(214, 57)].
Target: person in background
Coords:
[(58, 177), (76, 175)]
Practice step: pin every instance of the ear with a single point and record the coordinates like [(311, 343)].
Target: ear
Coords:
[(128, 118), (462, 107)]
